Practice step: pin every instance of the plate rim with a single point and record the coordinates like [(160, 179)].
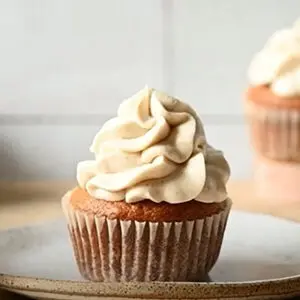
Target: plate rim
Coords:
[(273, 287), (287, 286)]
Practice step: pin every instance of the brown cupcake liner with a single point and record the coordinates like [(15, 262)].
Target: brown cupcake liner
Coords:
[(115, 250), (275, 132)]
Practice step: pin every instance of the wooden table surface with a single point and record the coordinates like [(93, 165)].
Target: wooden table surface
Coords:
[(23, 203)]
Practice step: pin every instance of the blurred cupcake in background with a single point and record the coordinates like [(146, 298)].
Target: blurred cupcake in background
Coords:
[(273, 112), (273, 98), (152, 205)]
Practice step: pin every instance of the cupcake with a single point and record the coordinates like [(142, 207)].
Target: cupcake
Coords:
[(152, 205), (273, 98), (273, 112)]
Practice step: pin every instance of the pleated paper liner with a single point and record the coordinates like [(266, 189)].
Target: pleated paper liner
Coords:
[(115, 250), (274, 132)]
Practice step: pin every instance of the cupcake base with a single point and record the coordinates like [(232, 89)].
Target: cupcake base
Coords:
[(126, 250), (277, 181), (274, 124)]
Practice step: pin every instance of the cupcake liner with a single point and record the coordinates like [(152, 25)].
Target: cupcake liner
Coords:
[(275, 132), (115, 250)]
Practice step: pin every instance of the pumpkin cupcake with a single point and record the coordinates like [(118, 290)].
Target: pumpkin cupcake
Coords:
[(153, 205), (273, 98)]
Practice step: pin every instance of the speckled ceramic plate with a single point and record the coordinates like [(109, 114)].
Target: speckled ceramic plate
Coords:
[(260, 259)]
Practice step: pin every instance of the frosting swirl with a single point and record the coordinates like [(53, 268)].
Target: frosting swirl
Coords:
[(154, 149), (278, 63)]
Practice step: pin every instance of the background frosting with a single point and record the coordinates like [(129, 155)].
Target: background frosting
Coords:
[(154, 149), (278, 63)]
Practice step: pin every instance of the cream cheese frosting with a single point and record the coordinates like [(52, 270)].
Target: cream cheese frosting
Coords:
[(278, 63), (154, 149)]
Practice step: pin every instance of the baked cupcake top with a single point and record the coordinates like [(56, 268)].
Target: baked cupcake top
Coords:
[(155, 149), (277, 65)]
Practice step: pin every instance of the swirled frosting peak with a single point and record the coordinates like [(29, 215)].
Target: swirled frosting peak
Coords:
[(278, 63), (154, 149)]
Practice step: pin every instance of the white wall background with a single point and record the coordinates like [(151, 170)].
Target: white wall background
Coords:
[(65, 65)]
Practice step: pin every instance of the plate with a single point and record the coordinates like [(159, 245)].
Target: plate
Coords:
[(260, 259)]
